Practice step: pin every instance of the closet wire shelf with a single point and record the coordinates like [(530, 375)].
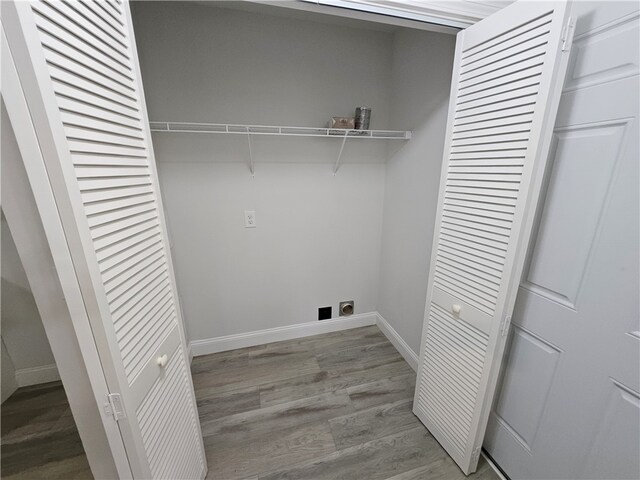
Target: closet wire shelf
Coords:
[(190, 127), (249, 130)]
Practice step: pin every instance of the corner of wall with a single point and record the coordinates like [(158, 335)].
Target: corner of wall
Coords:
[(394, 337), (422, 67)]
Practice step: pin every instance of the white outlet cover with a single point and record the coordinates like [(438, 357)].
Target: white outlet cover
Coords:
[(249, 219)]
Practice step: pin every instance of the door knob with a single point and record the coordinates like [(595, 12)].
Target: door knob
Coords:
[(162, 360), (456, 308)]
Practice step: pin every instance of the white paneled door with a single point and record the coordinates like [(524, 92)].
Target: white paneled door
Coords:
[(507, 79), (569, 404), (79, 71)]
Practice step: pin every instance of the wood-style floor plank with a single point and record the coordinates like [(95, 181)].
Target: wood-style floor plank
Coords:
[(446, 469), (328, 381), (375, 422), (253, 373), (328, 407), (387, 390), (39, 436), (266, 452), (375, 460), (278, 417), (352, 358), (213, 405)]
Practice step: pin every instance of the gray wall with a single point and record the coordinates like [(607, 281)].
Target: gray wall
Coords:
[(26, 355), (422, 66), (318, 236), (22, 330)]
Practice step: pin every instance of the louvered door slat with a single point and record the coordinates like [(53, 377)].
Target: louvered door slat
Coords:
[(73, 72), (518, 127), (105, 195), (507, 78), (136, 305), (97, 7), (80, 159), (93, 101), (482, 245), (104, 29), (481, 49), (510, 121), (145, 337), (88, 28), (88, 134), (155, 306), (73, 120), (115, 6), (512, 57), (50, 23), (113, 220), (134, 264), (92, 171), (504, 76), (523, 39), (485, 95), (141, 252), (86, 59), (108, 24), (496, 110), (487, 252), (127, 240), (89, 109), (513, 113), (84, 146), (81, 57), (130, 322), (498, 138), (84, 97)]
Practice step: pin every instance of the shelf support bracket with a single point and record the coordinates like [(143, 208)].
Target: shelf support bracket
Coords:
[(337, 165), (251, 167)]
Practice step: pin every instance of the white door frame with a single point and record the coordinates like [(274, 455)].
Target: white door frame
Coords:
[(30, 208)]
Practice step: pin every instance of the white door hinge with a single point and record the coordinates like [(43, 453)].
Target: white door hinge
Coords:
[(504, 327), (567, 35), (114, 406)]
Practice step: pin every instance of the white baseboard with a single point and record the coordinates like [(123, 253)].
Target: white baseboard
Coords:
[(260, 337), (26, 377), (398, 342)]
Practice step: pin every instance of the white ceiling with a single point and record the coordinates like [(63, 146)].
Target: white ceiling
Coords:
[(298, 10), (447, 16), (448, 13)]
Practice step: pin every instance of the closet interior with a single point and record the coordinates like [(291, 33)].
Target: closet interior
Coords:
[(338, 217)]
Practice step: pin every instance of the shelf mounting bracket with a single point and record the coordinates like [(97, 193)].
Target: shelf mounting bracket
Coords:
[(337, 165), (251, 166)]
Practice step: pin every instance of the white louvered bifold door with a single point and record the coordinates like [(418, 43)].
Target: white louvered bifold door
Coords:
[(507, 78), (79, 70)]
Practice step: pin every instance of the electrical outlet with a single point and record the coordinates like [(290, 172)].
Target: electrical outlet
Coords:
[(249, 219)]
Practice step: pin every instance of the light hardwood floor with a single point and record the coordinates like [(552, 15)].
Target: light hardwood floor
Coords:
[(333, 406)]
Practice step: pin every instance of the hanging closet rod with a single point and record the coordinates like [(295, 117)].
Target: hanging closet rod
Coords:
[(191, 127)]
